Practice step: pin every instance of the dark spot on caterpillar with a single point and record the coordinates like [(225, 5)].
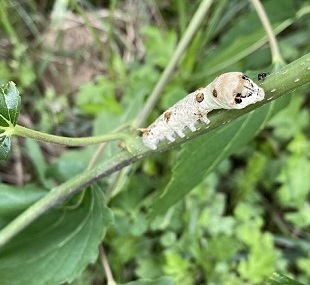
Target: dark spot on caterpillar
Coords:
[(214, 92), (238, 99), (167, 116), (245, 95), (244, 77), (199, 97), (262, 76)]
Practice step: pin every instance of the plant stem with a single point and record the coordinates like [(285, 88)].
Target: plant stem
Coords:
[(106, 266), (277, 59), (184, 42), (28, 133), (286, 80)]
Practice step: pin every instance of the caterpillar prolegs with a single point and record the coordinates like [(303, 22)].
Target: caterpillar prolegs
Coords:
[(232, 90)]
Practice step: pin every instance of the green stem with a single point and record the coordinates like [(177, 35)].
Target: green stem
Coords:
[(28, 133), (286, 80), (275, 52), (184, 42)]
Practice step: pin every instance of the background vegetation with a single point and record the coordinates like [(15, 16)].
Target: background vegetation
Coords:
[(224, 208)]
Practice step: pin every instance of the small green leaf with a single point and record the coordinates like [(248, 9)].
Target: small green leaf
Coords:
[(9, 111), (56, 248), (260, 261), (9, 104), (279, 279), (5, 147)]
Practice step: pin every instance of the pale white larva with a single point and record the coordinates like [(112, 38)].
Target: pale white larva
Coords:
[(232, 90)]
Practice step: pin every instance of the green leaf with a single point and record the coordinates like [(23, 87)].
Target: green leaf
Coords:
[(261, 259), (9, 111), (5, 147), (9, 104), (104, 99), (279, 279), (200, 156), (14, 199), (148, 267), (160, 281), (178, 267), (56, 248), (35, 155), (160, 46)]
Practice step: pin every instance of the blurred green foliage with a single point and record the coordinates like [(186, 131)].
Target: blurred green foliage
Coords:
[(245, 218)]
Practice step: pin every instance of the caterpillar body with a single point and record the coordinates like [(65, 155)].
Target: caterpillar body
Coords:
[(232, 90)]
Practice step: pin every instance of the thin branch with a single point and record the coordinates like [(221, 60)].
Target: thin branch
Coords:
[(106, 266), (286, 80), (184, 42), (275, 52)]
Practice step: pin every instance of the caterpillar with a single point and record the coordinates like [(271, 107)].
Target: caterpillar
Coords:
[(232, 90)]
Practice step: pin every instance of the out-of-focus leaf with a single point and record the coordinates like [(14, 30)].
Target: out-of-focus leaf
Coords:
[(97, 97), (160, 281), (35, 155), (5, 147), (160, 46), (14, 199), (178, 267), (284, 126), (56, 248), (260, 261), (295, 181), (279, 279)]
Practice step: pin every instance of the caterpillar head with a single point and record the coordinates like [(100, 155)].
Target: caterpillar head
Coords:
[(234, 90)]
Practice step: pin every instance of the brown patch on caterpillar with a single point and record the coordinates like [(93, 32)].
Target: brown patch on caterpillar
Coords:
[(199, 97), (144, 131), (241, 84), (214, 93), (167, 116)]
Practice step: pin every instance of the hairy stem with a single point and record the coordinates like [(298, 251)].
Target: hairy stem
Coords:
[(28, 133), (285, 80)]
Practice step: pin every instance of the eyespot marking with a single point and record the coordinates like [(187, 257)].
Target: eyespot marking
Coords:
[(238, 99)]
